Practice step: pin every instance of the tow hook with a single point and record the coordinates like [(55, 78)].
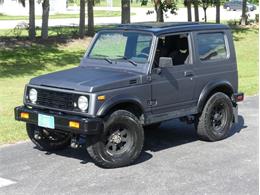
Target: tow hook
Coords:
[(77, 141), (74, 142), (37, 134)]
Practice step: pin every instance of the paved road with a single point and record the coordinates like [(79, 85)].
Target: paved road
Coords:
[(174, 162), (140, 16)]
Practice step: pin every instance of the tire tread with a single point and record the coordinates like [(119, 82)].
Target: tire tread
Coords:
[(201, 123), (92, 142)]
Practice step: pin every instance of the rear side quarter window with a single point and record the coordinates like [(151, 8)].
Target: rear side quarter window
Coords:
[(212, 46)]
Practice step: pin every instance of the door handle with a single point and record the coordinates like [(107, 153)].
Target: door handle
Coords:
[(188, 74)]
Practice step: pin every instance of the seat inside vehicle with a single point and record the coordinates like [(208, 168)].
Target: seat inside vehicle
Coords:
[(175, 47)]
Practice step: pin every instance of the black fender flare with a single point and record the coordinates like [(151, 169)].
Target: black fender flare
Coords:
[(116, 100), (209, 88)]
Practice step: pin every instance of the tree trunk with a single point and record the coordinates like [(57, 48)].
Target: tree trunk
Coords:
[(82, 19), (159, 12), (125, 11), (189, 10), (45, 18), (205, 14), (196, 11), (90, 18), (244, 16), (218, 11), (32, 32)]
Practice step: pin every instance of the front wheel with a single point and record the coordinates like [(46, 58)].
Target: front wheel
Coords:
[(216, 118), (48, 140), (121, 142)]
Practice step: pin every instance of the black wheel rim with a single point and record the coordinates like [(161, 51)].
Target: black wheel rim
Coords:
[(218, 118), (118, 140)]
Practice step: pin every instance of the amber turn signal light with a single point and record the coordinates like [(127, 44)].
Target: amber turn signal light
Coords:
[(24, 115), (74, 124), (101, 98)]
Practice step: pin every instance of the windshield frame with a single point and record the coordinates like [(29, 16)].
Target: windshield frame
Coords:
[(141, 67)]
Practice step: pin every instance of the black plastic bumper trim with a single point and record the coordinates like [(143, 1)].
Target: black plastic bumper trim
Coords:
[(89, 126)]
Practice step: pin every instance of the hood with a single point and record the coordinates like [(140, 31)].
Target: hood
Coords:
[(88, 79)]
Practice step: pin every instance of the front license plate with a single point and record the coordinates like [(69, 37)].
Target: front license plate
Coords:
[(46, 121)]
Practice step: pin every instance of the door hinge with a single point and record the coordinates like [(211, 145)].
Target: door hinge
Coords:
[(152, 102), (149, 78)]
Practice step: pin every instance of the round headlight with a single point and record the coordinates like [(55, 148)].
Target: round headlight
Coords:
[(83, 103), (33, 95)]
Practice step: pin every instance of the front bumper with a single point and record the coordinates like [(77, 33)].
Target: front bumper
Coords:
[(89, 126)]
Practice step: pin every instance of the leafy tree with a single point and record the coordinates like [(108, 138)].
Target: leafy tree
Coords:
[(205, 4), (32, 32), (45, 18), (217, 4), (188, 4), (196, 4), (254, 1), (90, 17), (82, 18), (162, 6), (125, 11), (244, 16)]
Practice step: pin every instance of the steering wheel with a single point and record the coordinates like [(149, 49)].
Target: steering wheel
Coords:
[(142, 54)]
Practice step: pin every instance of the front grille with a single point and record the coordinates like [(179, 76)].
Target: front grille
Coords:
[(54, 99)]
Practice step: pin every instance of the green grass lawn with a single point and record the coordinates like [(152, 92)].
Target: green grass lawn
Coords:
[(97, 13), (116, 3), (134, 3), (22, 60), (59, 31), (247, 47), (20, 63)]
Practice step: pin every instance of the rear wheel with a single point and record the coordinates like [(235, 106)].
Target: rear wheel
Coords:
[(216, 118), (121, 142), (47, 140)]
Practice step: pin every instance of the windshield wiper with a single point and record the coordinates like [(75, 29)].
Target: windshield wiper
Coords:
[(129, 60), (104, 57)]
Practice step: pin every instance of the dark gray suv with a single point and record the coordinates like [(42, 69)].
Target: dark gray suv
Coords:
[(134, 77)]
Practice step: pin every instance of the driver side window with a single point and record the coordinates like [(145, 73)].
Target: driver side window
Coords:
[(175, 47)]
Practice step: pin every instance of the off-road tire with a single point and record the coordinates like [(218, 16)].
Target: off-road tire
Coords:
[(98, 145), (205, 123), (45, 144)]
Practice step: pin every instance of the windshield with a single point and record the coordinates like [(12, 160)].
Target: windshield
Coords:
[(132, 47)]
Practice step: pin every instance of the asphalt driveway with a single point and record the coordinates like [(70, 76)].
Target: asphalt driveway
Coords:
[(174, 162)]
